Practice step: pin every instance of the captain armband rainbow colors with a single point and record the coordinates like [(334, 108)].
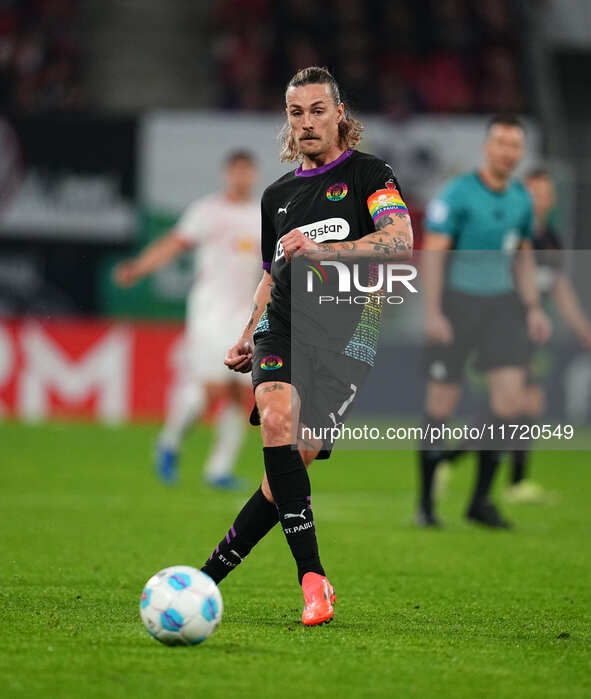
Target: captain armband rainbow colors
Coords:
[(386, 202)]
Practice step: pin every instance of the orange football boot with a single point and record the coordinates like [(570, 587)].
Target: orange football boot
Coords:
[(319, 598)]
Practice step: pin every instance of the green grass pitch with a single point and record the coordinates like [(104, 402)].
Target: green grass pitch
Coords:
[(456, 613)]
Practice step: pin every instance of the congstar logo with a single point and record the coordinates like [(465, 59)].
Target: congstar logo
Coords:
[(320, 232), (384, 277)]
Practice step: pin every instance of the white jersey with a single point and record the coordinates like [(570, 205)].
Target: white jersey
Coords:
[(226, 236)]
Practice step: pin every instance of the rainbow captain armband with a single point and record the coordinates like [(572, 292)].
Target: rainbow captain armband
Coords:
[(385, 202)]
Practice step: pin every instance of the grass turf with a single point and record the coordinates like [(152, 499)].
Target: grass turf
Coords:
[(462, 612)]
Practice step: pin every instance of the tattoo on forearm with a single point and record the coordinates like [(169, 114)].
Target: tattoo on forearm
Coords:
[(326, 248), (268, 388), (382, 244), (255, 308), (388, 220), (383, 222), (394, 243)]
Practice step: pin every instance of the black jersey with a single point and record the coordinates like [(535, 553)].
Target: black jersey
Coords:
[(328, 203)]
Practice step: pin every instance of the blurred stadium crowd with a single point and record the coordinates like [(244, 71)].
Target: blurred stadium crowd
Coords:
[(399, 59), (40, 55)]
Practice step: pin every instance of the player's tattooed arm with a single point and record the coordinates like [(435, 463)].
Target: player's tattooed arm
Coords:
[(262, 296), (387, 220), (393, 239), (270, 387), (250, 325)]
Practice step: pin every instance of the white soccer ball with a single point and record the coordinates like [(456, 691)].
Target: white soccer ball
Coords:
[(181, 605)]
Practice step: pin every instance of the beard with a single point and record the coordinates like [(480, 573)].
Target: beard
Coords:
[(312, 147)]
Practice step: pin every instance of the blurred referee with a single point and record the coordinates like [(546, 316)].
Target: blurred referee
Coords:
[(485, 300)]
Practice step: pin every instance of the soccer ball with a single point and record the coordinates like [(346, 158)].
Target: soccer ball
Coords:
[(181, 605)]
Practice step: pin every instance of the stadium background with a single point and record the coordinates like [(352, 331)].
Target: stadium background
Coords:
[(98, 160), (114, 116)]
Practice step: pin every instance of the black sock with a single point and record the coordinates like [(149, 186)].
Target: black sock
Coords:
[(520, 458), (427, 468), (253, 522), (290, 485), (488, 462), (428, 460)]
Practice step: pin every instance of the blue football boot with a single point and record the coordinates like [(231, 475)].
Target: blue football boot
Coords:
[(229, 482), (166, 465)]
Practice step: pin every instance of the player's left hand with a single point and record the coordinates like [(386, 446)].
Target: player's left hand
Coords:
[(539, 326), (239, 356), (296, 242)]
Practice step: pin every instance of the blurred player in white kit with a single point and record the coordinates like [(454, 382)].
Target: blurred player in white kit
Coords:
[(224, 229)]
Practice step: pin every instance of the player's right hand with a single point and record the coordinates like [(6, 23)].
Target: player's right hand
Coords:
[(239, 356), (438, 329), (124, 274), (296, 242)]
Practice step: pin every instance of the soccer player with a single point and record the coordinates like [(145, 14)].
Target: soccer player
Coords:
[(224, 230), (473, 304), (553, 283), (332, 181)]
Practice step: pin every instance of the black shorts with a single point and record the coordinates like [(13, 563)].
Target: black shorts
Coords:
[(327, 382), (494, 327)]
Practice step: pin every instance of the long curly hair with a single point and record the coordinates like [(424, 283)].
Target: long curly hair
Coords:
[(349, 128)]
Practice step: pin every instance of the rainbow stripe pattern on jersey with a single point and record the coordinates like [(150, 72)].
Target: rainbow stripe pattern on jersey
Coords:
[(364, 343), (384, 202)]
